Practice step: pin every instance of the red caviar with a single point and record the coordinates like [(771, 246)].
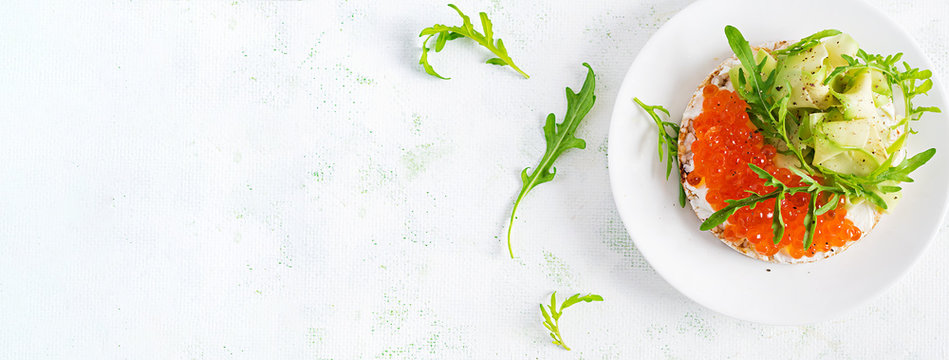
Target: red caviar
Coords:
[(726, 142)]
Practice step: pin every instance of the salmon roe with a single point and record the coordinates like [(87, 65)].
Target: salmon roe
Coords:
[(726, 142)]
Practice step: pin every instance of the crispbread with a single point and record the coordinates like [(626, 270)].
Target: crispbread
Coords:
[(720, 78)]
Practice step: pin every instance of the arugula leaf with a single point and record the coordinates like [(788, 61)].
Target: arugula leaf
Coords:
[(446, 33), (552, 318), (560, 137), (806, 43), (901, 172), (668, 139), (810, 222), (777, 220), (761, 101), (869, 186), (830, 205), (424, 59), (759, 109), (719, 217)]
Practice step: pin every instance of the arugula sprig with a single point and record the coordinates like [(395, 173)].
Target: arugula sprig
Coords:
[(813, 188), (560, 137), (668, 139), (552, 318), (749, 75), (444, 33), (911, 81), (871, 186)]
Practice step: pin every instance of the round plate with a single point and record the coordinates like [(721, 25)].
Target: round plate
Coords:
[(666, 72)]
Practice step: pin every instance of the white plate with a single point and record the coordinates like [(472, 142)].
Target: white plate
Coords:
[(667, 70)]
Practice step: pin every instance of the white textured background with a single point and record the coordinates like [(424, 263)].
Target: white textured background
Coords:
[(281, 180)]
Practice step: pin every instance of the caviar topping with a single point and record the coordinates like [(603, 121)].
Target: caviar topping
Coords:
[(726, 142)]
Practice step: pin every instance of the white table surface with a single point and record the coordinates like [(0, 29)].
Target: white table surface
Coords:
[(281, 180)]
